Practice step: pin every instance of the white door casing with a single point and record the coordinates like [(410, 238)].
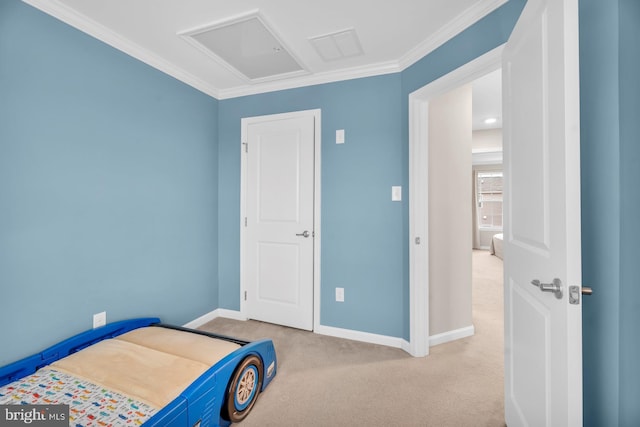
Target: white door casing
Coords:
[(278, 218), (419, 340), (543, 333)]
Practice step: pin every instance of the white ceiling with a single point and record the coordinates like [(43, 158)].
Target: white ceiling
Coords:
[(487, 101), (392, 34)]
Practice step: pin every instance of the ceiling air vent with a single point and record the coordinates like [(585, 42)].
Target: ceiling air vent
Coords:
[(338, 45), (247, 46)]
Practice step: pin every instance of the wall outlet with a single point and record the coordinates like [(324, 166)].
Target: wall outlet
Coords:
[(340, 294), (99, 319), (396, 193)]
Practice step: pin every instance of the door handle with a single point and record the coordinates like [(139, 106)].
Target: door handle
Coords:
[(305, 233), (555, 287)]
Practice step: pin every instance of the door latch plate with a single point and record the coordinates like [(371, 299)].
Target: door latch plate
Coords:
[(574, 295)]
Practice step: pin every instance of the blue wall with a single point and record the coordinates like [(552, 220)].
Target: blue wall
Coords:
[(364, 235), (483, 36), (362, 229), (108, 196), (600, 165), (610, 129), (629, 208)]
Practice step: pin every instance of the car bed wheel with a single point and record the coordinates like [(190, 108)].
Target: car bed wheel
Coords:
[(244, 388)]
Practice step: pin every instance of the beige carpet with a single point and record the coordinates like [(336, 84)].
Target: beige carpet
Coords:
[(325, 381)]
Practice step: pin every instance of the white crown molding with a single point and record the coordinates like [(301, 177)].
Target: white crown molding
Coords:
[(460, 23), (313, 79), (102, 33), (473, 14), (77, 20)]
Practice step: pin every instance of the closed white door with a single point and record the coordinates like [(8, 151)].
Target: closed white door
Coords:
[(543, 316), (279, 219)]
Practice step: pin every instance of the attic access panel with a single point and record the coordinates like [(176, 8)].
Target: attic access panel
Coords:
[(247, 46)]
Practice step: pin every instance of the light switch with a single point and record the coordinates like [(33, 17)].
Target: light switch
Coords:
[(340, 136), (396, 193)]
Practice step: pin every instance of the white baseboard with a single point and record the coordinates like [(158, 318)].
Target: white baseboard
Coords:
[(230, 314), (448, 336), (321, 330), (201, 320), (361, 336), (349, 334), (406, 346), (220, 312)]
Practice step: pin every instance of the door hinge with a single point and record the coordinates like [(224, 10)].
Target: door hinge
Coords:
[(245, 295), (417, 240), (246, 147), (245, 221)]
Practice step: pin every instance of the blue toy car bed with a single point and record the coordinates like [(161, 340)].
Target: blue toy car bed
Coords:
[(140, 371)]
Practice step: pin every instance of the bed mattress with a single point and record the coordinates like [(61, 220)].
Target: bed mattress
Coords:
[(122, 380), (496, 245), (90, 404)]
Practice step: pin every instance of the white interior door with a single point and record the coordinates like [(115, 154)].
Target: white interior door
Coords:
[(543, 330), (279, 225)]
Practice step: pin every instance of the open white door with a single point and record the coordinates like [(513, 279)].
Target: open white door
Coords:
[(543, 329)]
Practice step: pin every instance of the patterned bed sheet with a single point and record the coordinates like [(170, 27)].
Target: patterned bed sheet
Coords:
[(89, 404)]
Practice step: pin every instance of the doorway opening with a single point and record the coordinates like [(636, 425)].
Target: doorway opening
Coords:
[(420, 336), (487, 270)]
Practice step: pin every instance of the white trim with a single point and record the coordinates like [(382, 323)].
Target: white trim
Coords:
[(96, 30), (486, 158), (473, 14), (418, 186), (230, 314), (491, 229), (312, 79), (466, 73), (449, 336), (219, 312), (317, 201), (418, 228), (406, 346), (83, 23), (205, 318), (348, 334), (317, 114), (367, 337), (479, 10)]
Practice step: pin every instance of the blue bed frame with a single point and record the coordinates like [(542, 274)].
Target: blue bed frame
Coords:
[(200, 404)]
